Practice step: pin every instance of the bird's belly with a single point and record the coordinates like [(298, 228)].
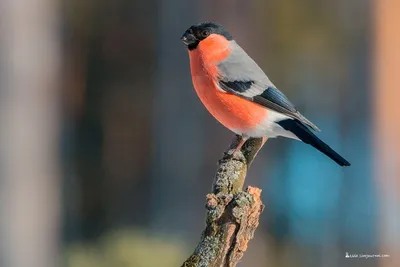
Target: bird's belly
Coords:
[(237, 114)]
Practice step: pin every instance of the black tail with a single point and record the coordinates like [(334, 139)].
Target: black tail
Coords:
[(305, 135)]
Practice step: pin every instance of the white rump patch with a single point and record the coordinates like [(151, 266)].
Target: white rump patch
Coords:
[(269, 128)]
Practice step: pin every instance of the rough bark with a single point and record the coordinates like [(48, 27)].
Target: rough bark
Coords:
[(232, 214)]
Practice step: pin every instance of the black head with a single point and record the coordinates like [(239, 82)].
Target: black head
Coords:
[(196, 33)]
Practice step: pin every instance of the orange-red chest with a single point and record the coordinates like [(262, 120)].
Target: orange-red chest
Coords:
[(235, 113)]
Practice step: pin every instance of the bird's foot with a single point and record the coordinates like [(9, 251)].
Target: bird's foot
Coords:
[(234, 153)]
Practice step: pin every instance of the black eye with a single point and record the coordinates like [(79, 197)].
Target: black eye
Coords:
[(205, 33)]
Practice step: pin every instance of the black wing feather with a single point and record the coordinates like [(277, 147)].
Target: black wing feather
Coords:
[(237, 86), (275, 96), (270, 98), (274, 99)]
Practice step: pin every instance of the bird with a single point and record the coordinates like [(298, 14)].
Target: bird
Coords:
[(238, 94)]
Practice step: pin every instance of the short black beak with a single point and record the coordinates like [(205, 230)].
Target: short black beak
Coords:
[(188, 38)]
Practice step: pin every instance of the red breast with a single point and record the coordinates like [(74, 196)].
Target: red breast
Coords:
[(233, 112)]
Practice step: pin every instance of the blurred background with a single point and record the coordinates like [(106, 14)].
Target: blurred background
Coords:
[(106, 154)]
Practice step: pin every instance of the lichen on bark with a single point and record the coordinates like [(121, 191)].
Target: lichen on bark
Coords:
[(232, 214)]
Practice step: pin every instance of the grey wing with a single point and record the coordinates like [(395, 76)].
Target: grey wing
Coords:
[(240, 75)]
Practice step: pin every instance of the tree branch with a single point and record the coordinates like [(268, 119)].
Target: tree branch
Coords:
[(232, 214)]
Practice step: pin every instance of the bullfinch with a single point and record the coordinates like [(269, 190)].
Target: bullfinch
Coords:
[(236, 91)]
